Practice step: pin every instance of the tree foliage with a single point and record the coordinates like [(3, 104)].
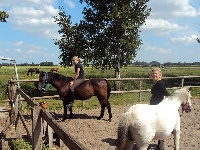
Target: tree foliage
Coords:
[(198, 40), (71, 40), (3, 16), (107, 37)]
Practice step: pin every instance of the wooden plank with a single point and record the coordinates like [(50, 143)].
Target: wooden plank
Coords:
[(49, 136), (65, 136), (25, 126), (36, 128), (26, 97), (3, 132), (17, 128)]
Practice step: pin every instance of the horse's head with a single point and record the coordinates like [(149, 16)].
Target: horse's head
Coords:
[(187, 103), (43, 80)]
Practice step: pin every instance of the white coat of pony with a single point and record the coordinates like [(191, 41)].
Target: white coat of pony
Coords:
[(142, 123)]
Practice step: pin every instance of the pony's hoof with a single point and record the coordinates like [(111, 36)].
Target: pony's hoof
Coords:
[(109, 119)]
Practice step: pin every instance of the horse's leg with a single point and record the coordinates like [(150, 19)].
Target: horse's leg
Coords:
[(71, 113), (109, 111), (65, 109), (102, 111)]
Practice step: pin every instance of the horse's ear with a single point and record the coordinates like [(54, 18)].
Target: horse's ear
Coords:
[(189, 88)]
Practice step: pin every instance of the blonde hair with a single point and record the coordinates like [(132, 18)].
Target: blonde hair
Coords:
[(75, 58), (158, 70)]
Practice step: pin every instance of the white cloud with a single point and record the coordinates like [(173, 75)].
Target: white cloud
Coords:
[(18, 50), (161, 24), (158, 50), (32, 51), (186, 40), (25, 12), (162, 27), (170, 8), (185, 9), (19, 43), (70, 3)]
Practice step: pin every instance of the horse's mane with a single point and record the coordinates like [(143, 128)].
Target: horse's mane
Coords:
[(60, 77)]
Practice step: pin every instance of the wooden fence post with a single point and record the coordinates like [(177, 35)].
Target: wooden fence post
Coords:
[(140, 93), (49, 136), (37, 128), (182, 82)]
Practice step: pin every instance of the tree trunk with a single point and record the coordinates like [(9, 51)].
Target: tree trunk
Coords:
[(117, 73)]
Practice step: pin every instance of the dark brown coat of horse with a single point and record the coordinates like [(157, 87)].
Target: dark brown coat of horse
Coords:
[(31, 70), (94, 87)]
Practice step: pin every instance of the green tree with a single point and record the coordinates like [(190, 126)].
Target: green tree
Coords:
[(71, 41), (108, 37), (3, 16), (112, 27)]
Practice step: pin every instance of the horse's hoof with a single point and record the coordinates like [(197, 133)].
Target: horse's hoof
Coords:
[(109, 119), (99, 118), (64, 119), (70, 105), (71, 116)]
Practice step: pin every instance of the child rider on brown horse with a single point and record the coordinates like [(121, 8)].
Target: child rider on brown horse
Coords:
[(78, 79)]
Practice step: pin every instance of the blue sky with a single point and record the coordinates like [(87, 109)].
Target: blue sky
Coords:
[(169, 34)]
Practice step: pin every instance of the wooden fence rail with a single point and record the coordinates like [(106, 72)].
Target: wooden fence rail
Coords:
[(40, 117), (139, 91)]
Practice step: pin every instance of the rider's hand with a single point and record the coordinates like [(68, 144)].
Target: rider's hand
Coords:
[(71, 82)]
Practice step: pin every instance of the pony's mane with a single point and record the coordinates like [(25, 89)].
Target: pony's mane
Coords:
[(183, 92)]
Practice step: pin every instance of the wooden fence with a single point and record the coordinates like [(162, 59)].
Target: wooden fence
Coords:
[(139, 90), (43, 121)]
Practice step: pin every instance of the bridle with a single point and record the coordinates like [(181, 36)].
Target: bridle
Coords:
[(186, 107), (42, 87)]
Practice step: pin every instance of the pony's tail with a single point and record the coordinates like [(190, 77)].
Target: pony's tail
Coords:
[(123, 130)]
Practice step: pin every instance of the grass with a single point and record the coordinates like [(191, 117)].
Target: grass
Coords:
[(6, 73)]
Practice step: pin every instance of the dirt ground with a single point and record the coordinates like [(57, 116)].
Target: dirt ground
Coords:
[(102, 134)]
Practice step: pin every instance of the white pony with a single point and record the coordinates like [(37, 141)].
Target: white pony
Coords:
[(143, 123)]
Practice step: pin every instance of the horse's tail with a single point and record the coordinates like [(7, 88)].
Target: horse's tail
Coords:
[(108, 89), (123, 132)]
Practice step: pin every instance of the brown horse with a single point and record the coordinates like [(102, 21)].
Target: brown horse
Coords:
[(31, 70), (94, 87), (54, 69)]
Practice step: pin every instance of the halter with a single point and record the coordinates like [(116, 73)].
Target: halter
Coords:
[(45, 82), (188, 108)]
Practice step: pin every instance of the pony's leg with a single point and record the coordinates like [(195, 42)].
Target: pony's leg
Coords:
[(129, 144), (176, 133), (102, 111), (161, 146), (144, 147), (109, 111)]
